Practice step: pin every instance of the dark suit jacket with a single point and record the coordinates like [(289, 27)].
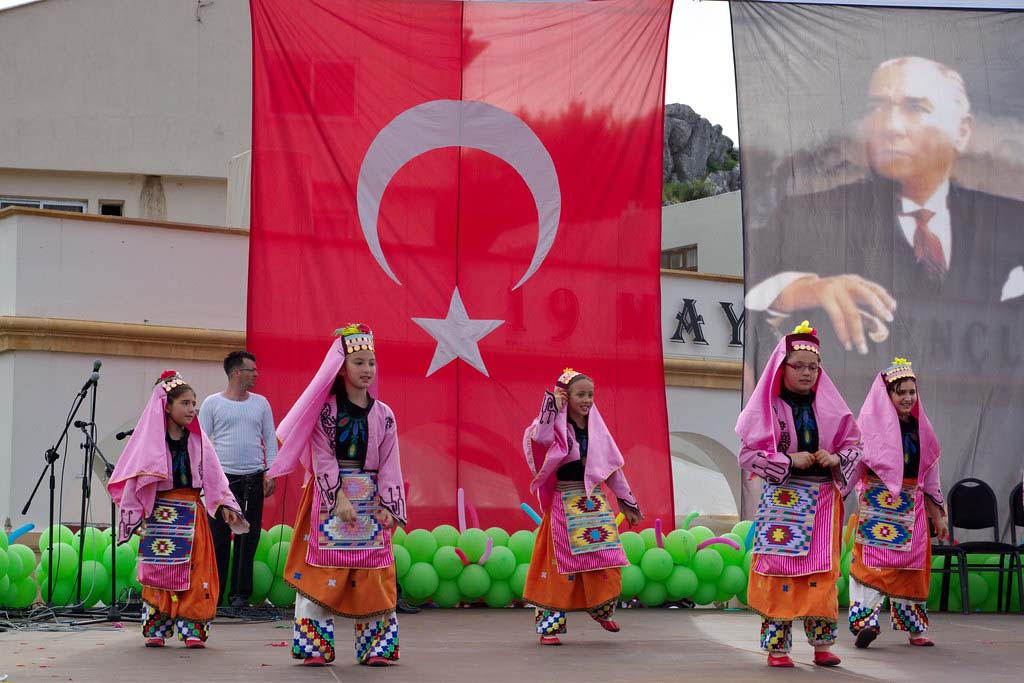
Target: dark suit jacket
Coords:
[(965, 344)]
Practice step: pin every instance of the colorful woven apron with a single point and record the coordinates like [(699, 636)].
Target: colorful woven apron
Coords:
[(892, 529), (583, 530), (165, 551), (362, 544), (793, 528)]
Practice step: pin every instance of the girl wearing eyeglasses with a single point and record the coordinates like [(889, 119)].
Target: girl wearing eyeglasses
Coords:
[(799, 436)]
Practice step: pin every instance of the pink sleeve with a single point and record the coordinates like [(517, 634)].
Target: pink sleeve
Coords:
[(129, 511), (620, 487), (772, 466), (932, 486), (391, 485), (325, 465), (544, 433), (849, 448)]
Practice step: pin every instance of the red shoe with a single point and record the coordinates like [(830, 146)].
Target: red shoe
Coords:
[(379, 661), (154, 642), (314, 661), (921, 641), (550, 640), (194, 644), (783, 661), (866, 637), (826, 659), (609, 625)]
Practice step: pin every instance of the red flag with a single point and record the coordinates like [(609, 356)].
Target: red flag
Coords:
[(480, 182)]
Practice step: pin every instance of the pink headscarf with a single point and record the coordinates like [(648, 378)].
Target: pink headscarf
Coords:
[(604, 460), (144, 467), (759, 429), (297, 444), (883, 442)]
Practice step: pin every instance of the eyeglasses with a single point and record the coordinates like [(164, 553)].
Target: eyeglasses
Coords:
[(801, 367), (247, 370)]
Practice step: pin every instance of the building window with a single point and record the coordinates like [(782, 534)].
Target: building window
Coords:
[(72, 205), (681, 258), (111, 207)]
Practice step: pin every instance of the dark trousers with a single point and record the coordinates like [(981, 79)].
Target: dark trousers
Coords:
[(248, 490)]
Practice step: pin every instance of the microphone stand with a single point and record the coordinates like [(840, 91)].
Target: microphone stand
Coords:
[(51, 456), (113, 612), (89, 429)]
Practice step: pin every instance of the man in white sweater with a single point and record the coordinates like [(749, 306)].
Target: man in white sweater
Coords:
[(241, 426)]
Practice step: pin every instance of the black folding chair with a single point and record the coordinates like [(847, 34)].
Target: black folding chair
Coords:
[(1016, 513), (972, 505), (950, 553)]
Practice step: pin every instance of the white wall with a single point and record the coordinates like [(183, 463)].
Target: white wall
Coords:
[(714, 224), (126, 86), (122, 272), (188, 199)]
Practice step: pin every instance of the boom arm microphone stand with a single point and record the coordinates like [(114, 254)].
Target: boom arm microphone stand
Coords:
[(93, 383), (90, 446), (51, 456)]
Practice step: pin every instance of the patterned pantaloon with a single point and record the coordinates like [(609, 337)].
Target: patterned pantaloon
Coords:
[(866, 603), (159, 625), (554, 622), (777, 634), (314, 634)]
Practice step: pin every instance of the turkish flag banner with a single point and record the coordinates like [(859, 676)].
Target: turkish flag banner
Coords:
[(480, 183)]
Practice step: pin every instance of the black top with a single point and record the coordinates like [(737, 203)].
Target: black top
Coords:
[(911, 447), (352, 432), (573, 471), (806, 427), (181, 465)]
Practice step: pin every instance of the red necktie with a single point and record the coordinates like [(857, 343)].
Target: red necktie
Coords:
[(927, 247)]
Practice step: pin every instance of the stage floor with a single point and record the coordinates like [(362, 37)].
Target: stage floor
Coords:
[(492, 646)]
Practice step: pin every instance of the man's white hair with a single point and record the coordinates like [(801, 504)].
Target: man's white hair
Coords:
[(957, 92)]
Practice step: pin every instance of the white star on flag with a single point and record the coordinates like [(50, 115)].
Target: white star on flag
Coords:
[(457, 336)]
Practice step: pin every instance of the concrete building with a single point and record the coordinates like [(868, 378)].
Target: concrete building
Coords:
[(124, 166)]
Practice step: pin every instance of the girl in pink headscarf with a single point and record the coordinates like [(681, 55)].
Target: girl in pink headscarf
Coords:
[(166, 484), (799, 436), (340, 561), (899, 492), (577, 555)]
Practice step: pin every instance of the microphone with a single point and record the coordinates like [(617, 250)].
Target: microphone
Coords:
[(120, 436), (94, 377), (79, 424)]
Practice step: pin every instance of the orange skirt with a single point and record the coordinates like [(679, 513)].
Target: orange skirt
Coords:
[(905, 584), (352, 593), (199, 602), (548, 589), (799, 597)]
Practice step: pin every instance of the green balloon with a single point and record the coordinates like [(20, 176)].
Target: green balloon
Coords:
[(682, 583), (4, 562), (262, 580), (634, 546), (723, 596), (521, 545), (402, 560), (92, 548), (447, 594), (501, 564), (27, 557), (281, 594), (108, 598), (63, 535), (277, 557), (498, 535), (263, 546), (843, 591), (708, 565), (844, 564), (134, 540), (498, 595), (742, 597), (421, 545), (732, 581), (133, 580), (653, 594), (398, 536), (94, 578), (633, 581), (14, 568), (447, 563), (729, 554), (748, 559), (64, 562), (421, 580), (656, 565), (742, 529), (977, 590), (106, 537), (63, 591), (21, 594), (280, 533), (701, 534), (445, 534), (681, 545), (649, 538), (126, 559), (705, 593), (518, 580), (3, 540), (5, 586), (474, 581), (473, 542)]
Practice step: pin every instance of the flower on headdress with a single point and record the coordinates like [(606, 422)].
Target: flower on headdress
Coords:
[(168, 374), (567, 370), (804, 328), (901, 361), (352, 328)]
